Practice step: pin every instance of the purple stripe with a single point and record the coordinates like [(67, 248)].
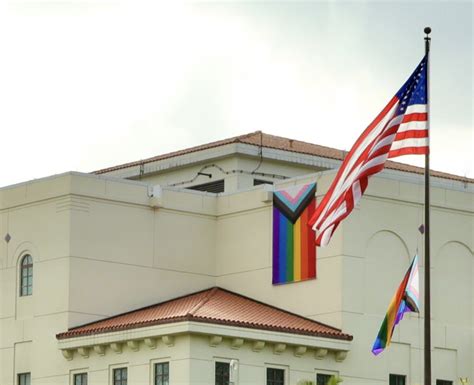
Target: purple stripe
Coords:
[(276, 237)]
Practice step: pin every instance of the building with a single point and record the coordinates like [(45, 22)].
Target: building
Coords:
[(160, 271)]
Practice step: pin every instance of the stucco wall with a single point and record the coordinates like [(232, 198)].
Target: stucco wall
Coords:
[(100, 248)]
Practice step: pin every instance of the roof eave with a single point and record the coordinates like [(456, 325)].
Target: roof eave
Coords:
[(166, 333)]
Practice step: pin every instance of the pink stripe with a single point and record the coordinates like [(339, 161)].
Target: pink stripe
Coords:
[(298, 196)]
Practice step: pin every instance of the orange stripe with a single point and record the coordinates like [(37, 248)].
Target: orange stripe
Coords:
[(304, 244)]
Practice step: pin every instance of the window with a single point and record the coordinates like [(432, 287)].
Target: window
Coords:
[(24, 378), (26, 276), (275, 376), (80, 379), (397, 379), (322, 379), (120, 376), (222, 373), (162, 373), (444, 382)]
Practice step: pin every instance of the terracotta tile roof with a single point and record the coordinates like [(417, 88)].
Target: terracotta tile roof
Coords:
[(215, 306), (280, 143)]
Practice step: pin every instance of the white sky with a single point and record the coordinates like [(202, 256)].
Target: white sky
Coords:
[(90, 84)]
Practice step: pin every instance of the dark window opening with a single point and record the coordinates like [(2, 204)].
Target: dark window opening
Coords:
[(26, 276), (24, 379), (222, 373), (162, 373), (257, 182), (120, 376), (397, 379), (213, 187), (80, 379), (444, 382), (322, 379), (275, 376)]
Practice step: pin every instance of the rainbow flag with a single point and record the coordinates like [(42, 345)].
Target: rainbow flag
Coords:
[(294, 250), (406, 299)]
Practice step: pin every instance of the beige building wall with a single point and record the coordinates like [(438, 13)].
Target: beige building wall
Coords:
[(102, 246)]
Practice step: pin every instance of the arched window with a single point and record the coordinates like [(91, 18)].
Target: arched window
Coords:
[(26, 276)]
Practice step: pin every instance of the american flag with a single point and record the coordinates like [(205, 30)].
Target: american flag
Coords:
[(400, 129)]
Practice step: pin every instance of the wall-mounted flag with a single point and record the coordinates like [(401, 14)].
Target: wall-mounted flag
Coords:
[(294, 250)]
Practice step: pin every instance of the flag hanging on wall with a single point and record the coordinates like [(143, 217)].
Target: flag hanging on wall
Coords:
[(294, 251), (406, 299), (400, 129)]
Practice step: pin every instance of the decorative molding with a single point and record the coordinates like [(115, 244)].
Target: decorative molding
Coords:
[(236, 343), (300, 350), (340, 355), (258, 346), (84, 352), (150, 342), (99, 349), (279, 348), (133, 345), (216, 336), (320, 353), (214, 341), (168, 340), (68, 354), (116, 347), (72, 203)]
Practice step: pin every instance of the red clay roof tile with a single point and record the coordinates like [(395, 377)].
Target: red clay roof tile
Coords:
[(215, 306), (280, 143)]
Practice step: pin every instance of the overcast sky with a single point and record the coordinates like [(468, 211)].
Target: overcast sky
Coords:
[(90, 84)]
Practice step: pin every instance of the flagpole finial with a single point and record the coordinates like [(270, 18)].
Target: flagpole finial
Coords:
[(427, 30)]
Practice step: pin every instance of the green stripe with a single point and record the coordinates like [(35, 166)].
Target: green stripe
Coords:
[(289, 252)]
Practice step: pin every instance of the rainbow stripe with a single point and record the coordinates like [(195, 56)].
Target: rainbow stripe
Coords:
[(294, 251), (406, 299)]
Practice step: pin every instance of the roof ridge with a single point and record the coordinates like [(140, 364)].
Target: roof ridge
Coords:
[(201, 303), (328, 152), (244, 136)]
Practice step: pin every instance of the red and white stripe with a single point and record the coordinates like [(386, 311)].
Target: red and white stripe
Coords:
[(388, 136)]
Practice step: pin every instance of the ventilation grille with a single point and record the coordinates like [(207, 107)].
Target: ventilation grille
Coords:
[(212, 187)]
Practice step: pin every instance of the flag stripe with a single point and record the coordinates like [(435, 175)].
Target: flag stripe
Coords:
[(297, 250), (282, 248), (276, 248), (289, 251), (409, 151), (310, 238), (410, 134), (410, 142), (306, 240)]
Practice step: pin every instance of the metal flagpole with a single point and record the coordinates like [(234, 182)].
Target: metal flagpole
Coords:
[(427, 347)]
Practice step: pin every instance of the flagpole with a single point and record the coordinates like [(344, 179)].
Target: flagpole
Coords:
[(427, 323)]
